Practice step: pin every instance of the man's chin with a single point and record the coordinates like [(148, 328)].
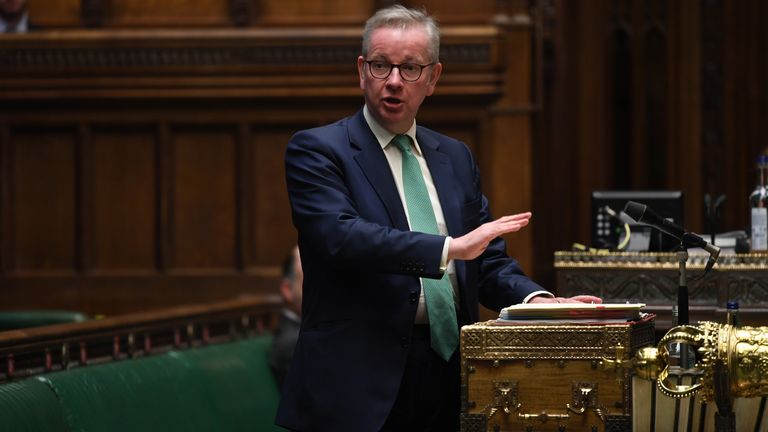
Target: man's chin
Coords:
[(394, 122)]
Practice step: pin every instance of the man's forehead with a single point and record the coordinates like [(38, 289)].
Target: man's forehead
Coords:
[(388, 41)]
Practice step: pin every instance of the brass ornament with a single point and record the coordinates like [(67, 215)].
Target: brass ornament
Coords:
[(724, 353)]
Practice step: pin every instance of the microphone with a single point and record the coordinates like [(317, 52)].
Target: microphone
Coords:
[(641, 213)]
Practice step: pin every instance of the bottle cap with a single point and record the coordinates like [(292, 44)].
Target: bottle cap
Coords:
[(732, 304)]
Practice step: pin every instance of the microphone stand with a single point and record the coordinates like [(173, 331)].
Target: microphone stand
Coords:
[(682, 287), (725, 417), (688, 240)]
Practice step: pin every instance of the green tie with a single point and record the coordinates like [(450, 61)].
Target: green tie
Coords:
[(438, 293)]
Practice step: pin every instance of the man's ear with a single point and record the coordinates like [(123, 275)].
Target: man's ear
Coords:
[(361, 71), (286, 291), (434, 76)]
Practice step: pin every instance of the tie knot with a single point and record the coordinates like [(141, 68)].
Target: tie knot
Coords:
[(403, 142)]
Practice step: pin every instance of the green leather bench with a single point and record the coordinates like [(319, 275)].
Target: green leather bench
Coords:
[(222, 387), (10, 320)]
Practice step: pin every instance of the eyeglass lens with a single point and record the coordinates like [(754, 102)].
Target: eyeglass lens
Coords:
[(408, 71)]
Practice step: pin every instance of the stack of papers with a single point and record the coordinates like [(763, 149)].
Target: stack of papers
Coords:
[(535, 313)]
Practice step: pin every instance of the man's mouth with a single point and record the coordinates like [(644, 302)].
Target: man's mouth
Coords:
[(392, 100)]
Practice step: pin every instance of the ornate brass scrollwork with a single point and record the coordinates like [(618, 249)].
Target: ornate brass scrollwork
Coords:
[(739, 352), (504, 398), (543, 417), (584, 396)]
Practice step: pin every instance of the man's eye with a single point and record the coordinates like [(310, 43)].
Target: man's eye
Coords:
[(380, 66), (410, 67)]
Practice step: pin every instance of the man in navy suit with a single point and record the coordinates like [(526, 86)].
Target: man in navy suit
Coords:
[(363, 360)]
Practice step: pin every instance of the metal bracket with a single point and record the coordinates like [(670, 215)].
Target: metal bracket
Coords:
[(584, 397), (505, 397)]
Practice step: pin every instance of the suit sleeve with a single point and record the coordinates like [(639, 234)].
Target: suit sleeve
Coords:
[(325, 212)]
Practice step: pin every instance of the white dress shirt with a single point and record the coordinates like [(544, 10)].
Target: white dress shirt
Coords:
[(395, 159)]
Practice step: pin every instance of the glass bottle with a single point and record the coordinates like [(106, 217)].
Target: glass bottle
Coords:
[(758, 202)]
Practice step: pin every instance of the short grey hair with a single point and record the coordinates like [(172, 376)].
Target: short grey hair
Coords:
[(399, 16)]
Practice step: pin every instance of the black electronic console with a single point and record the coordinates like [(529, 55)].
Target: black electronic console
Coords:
[(608, 220)]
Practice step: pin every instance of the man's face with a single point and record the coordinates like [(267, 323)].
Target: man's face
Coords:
[(393, 101)]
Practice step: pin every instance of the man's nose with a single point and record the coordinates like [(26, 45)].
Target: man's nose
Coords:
[(394, 78)]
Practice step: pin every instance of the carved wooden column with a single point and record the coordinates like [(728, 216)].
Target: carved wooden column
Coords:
[(508, 175)]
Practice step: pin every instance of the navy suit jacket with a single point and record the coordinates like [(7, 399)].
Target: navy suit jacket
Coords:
[(362, 267)]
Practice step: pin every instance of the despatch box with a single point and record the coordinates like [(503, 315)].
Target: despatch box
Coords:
[(549, 377)]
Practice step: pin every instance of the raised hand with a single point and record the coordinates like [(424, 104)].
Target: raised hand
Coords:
[(474, 243)]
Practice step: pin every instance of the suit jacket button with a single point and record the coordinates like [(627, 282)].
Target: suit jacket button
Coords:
[(413, 297)]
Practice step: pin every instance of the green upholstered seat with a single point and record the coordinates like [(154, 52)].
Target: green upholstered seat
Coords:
[(223, 387), (30, 405), (237, 376), (10, 320)]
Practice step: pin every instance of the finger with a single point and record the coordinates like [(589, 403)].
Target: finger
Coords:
[(583, 299), (514, 217), (511, 226)]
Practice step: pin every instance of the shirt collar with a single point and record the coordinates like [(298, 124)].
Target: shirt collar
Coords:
[(384, 136)]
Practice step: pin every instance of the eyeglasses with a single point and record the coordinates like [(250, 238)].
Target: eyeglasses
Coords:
[(408, 71)]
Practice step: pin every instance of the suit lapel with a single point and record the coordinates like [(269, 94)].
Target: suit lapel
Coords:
[(443, 177), (376, 169)]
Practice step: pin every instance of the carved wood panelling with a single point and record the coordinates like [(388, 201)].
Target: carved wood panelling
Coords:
[(649, 94), (254, 13), (268, 192), (108, 58), (658, 289), (203, 210), (162, 151), (41, 228), (123, 188)]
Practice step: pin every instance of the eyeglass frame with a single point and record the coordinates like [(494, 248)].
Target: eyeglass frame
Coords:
[(399, 70)]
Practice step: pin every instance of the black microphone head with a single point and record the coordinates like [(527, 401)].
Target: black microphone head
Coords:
[(635, 210), (642, 214)]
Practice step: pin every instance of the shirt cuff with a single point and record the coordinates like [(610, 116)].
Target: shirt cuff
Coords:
[(537, 293), (444, 257)]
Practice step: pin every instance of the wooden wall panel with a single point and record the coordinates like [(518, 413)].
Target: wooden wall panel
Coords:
[(175, 142), (481, 11), (203, 221), (168, 13), (55, 13), (274, 234), (619, 94), (280, 12), (123, 184), (43, 200), (652, 94), (47, 14)]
